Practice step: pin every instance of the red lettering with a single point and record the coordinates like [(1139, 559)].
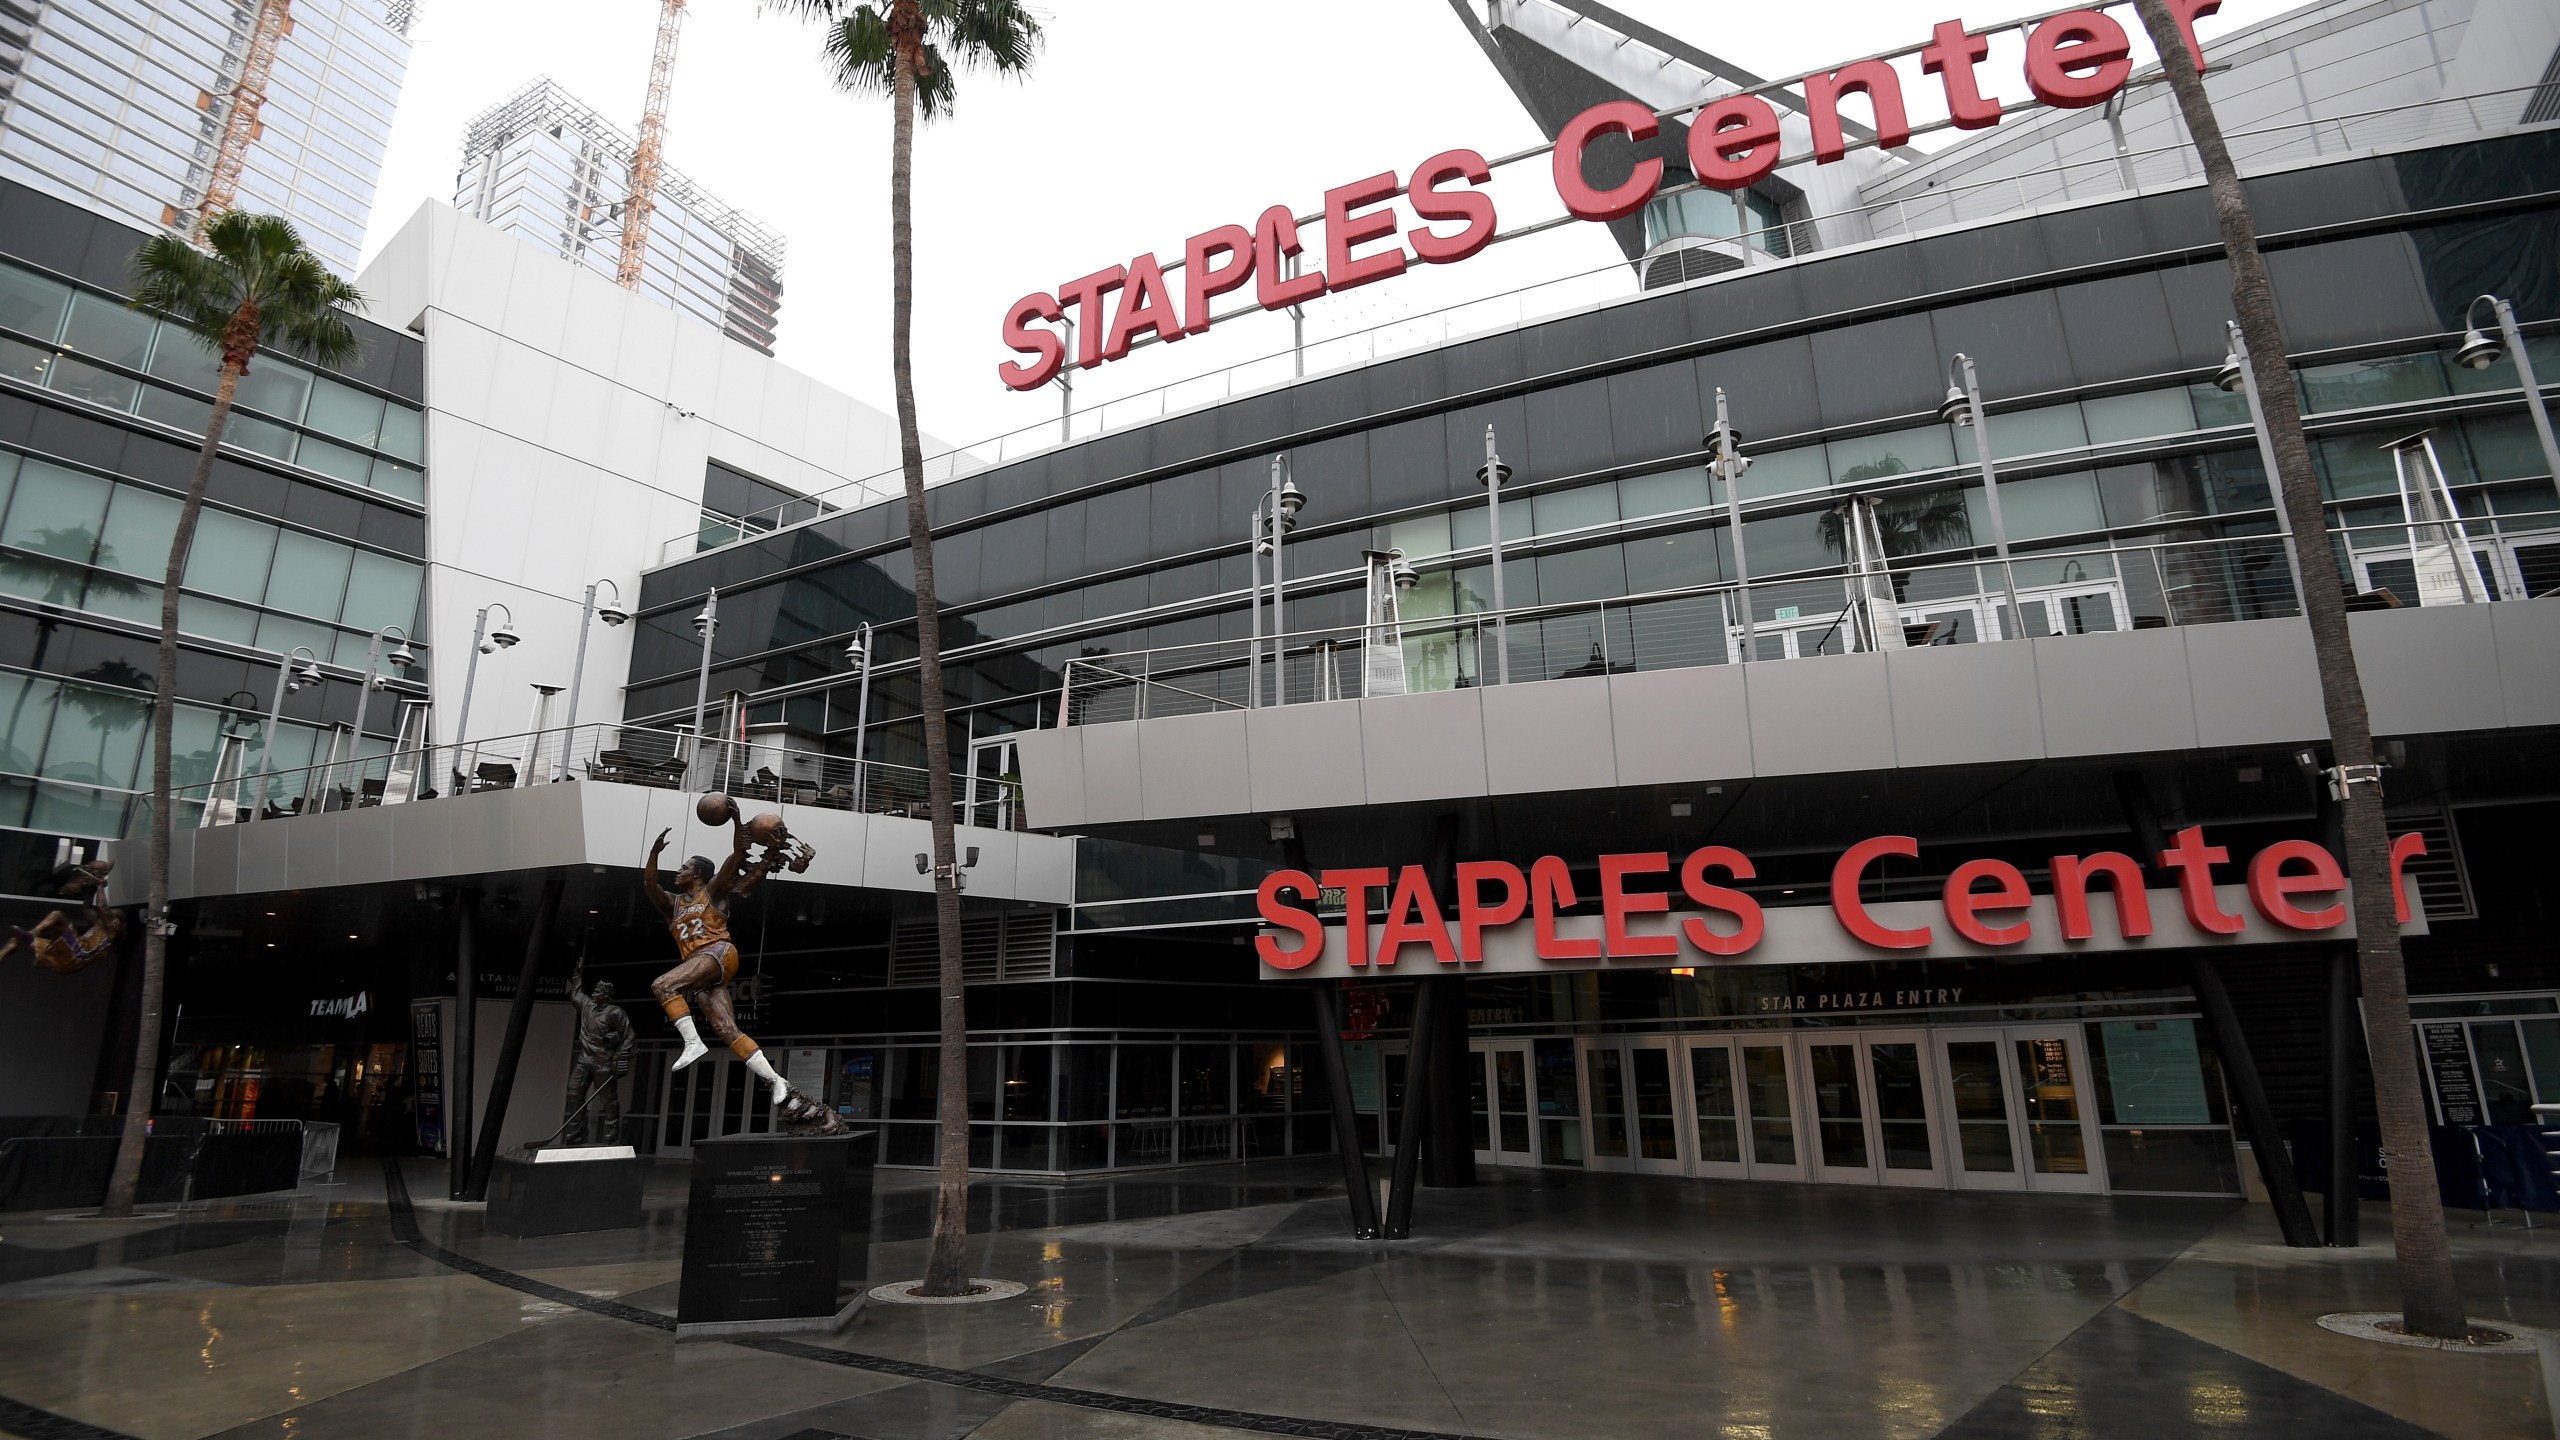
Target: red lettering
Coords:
[(1355, 886), (1474, 916), (1550, 890), (1617, 906), (1694, 884), (2403, 850), (1614, 117), (1734, 142), (2077, 40), (1279, 913), (1146, 304), (1433, 203), (1414, 897), (1853, 912), (1201, 283), (1966, 904), (1086, 295), (1953, 54), (2187, 13), (1275, 239), (1874, 79), (1043, 346), (2194, 861), (1344, 229), (2271, 889), (2071, 874)]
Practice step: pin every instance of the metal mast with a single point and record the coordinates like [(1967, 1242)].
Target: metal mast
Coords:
[(240, 120), (642, 201)]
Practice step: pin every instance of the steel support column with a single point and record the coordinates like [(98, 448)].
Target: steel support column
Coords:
[(1346, 1122), (484, 1155), (457, 1080), (1417, 1103), (2257, 1118)]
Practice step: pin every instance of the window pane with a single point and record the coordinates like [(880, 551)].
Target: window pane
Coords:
[(400, 480), (281, 633), (23, 362), (26, 712), (178, 412), (99, 737), (83, 381), (78, 810), (248, 432), (2383, 380), (181, 359), (336, 461), (215, 620), (1786, 472), (32, 303), (2137, 417), (193, 734), (274, 388), (2027, 432), (1662, 494), (101, 329), (381, 591), (56, 512), (309, 576), (1871, 457), (403, 432), (346, 412), (229, 557), (2050, 505), (1576, 508)]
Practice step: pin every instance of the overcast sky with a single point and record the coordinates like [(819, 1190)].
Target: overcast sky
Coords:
[(1145, 122)]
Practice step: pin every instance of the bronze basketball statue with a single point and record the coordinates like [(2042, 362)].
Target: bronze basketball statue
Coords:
[(596, 1067), (707, 959), (54, 942)]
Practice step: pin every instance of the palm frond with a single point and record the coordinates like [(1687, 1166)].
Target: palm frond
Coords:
[(185, 284), (858, 50)]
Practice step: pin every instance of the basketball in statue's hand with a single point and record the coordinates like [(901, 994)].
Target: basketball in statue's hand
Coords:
[(767, 829), (715, 808)]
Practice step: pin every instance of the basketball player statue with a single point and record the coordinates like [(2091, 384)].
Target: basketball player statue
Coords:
[(707, 959), (55, 943)]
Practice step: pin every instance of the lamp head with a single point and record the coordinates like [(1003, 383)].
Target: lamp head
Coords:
[(402, 656), (307, 674), (1956, 409), (1493, 472), (703, 621), (1401, 571), (2228, 379), (2478, 351), (856, 651), (612, 614), (504, 637), (1292, 500)]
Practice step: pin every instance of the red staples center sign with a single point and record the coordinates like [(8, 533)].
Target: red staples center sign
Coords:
[(2075, 58), (1504, 920)]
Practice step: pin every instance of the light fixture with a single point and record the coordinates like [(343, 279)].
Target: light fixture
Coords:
[(1955, 409), (612, 614), (2478, 351), (855, 653), (1292, 500), (502, 638), (402, 656), (309, 674), (1500, 472), (702, 621), (1401, 571), (2228, 379)]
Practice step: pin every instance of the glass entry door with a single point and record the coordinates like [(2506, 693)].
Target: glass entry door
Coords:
[(1873, 1119), (2022, 1118), (1498, 1102), (1742, 1108), (1635, 1109)]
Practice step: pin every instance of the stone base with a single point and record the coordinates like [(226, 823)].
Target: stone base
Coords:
[(777, 1233), (527, 1197), (727, 1329)]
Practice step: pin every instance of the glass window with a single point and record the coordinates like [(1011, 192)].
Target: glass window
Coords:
[(83, 381), (1419, 537), (404, 481), (336, 461), (2357, 464), (403, 432), (2050, 505), (181, 359), (178, 412), (2383, 380), (100, 737), (1786, 472), (194, 732), (55, 511), (101, 329), (2504, 447), (1872, 457), (2140, 416), (280, 634), (2027, 432), (1574, 509), (309, 576), (140, 525), (230, 555), (1470, 528), (262, 437), (1665, 493), (1146, 1081), (34, 305), (274, 388), (2215, 406), (23, 362), (1596, 573), (381, 591), (346, 412), (78, 810), (215, 620), (26, 712)]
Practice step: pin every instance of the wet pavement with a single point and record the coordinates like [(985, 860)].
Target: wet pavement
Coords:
[(1230, 1302)]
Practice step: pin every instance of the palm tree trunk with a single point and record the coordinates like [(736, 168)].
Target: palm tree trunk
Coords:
[(126, 1179), (2430, 1302), (946, 1269)]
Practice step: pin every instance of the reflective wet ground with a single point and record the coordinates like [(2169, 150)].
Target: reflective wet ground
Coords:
[(1230, 1302)]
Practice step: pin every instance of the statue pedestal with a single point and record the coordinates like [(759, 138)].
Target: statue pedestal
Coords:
[(558, 1192), (777, 1234)]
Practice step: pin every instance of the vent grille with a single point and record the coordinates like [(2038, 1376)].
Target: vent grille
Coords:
[(2442, 881), (994, 946)]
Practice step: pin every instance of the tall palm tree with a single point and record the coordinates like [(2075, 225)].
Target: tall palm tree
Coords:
[(910, 51), (252, 287), (2430, 1302)]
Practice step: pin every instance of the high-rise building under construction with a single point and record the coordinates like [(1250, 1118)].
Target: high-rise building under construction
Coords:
[(550, 170), (123, 107)]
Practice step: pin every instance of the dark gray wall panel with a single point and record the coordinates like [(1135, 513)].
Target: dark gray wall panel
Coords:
[(1409, 464), (1116, 529), (1654, 412), (2117, 328), (2350, 292), (1183, 514), (1569, 429), (1334, 474), (1769, 388), (2016, 342), (2199, 297), (1886, 367), (1751, 302)]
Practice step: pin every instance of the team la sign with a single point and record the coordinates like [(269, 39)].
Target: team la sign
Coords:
[(2294, 890), (2074, 58)]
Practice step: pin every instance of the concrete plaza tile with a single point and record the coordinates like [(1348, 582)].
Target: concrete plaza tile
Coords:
[(1040, 1420)]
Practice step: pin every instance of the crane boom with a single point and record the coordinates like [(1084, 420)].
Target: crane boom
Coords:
[(642, 201), (240, 123)]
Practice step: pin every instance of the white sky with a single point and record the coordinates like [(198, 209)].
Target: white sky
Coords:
[(1130, 135)]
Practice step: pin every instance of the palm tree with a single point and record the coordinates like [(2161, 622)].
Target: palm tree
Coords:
[(2430, 1302), (253, 286), (910, 50)]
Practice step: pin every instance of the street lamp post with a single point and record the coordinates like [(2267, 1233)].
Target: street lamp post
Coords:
[(373, 656), (611, 615), (1728, 461), (2236, 374), (706, 623), (1490, 475), (857, 653), (483, 641), (1963, 406), (288, 680), (2479, 352), (1275, 514)]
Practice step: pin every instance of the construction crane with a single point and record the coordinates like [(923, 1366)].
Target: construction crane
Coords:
[(240, 122), (642, 200)]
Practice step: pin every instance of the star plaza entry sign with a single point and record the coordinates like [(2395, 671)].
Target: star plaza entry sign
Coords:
[(2074, 58)]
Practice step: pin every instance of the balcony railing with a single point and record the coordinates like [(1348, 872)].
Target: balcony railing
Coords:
[(754, 771), (1830, 611)]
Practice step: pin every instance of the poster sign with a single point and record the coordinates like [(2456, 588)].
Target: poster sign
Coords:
[(2448, 1056), (426, 1067), (1362, 1061), (2153, 1072)]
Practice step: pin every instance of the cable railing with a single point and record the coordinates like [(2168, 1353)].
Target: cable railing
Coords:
[(1893, 219), (755, 772), (1832, 610)]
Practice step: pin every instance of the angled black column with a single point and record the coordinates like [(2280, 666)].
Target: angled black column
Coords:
[(1449, 1149), (1415, 1115), (1346, 1122), (502, 1085), (457, 1084), (2275, 1166)]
